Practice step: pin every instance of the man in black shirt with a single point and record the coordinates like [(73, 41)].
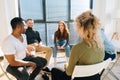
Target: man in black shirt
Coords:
[(33, 38)]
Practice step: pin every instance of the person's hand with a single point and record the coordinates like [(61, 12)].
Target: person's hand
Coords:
[(58, 47), (32, 53), (39, 45), (32, 64), (30, 48), (62, 47), (35, 44)]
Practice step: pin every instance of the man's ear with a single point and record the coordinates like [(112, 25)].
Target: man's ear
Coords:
[(18, 26)]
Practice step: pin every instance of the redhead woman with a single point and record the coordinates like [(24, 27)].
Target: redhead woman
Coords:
[(61, 38)]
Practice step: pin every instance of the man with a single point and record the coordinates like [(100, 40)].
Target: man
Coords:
[(16, 57), (33, 38)]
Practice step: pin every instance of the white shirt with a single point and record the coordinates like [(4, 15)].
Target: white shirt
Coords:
[(12, 46)]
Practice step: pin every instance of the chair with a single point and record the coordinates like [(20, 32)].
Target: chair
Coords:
[(90, 70), (3, 70), (109, 69), (2, 67), (58, 54)]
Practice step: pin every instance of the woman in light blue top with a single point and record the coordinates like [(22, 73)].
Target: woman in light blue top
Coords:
[(109, 47)]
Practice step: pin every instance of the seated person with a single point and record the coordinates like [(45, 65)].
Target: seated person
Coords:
[(108, 47), (16, 57), (61, 38), (89, 51), (33, 38), (116, 41)]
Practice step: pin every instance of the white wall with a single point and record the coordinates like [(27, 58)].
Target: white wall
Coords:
[(117, 15), (105, 10), (99, 10), (8, 10)]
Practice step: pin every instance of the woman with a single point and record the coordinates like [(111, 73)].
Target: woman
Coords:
[(61, 38), (116, 41), (89, 51), (109, 48)]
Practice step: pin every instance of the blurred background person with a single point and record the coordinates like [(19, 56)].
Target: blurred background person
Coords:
[(116, 41), (109, 48), (33, 38)]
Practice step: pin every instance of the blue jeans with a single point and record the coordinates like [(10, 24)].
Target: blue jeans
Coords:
[(61, 43)]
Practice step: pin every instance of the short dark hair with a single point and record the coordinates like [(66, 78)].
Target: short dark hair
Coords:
[(15, 21)]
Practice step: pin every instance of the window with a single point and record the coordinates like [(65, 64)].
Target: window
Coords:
[(47, 14), (57, 10), (51, 28), (79, 6), (31, 9), (74, 37)]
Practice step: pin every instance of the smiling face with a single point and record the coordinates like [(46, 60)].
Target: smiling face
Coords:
[(61, 26), (30, 23)]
